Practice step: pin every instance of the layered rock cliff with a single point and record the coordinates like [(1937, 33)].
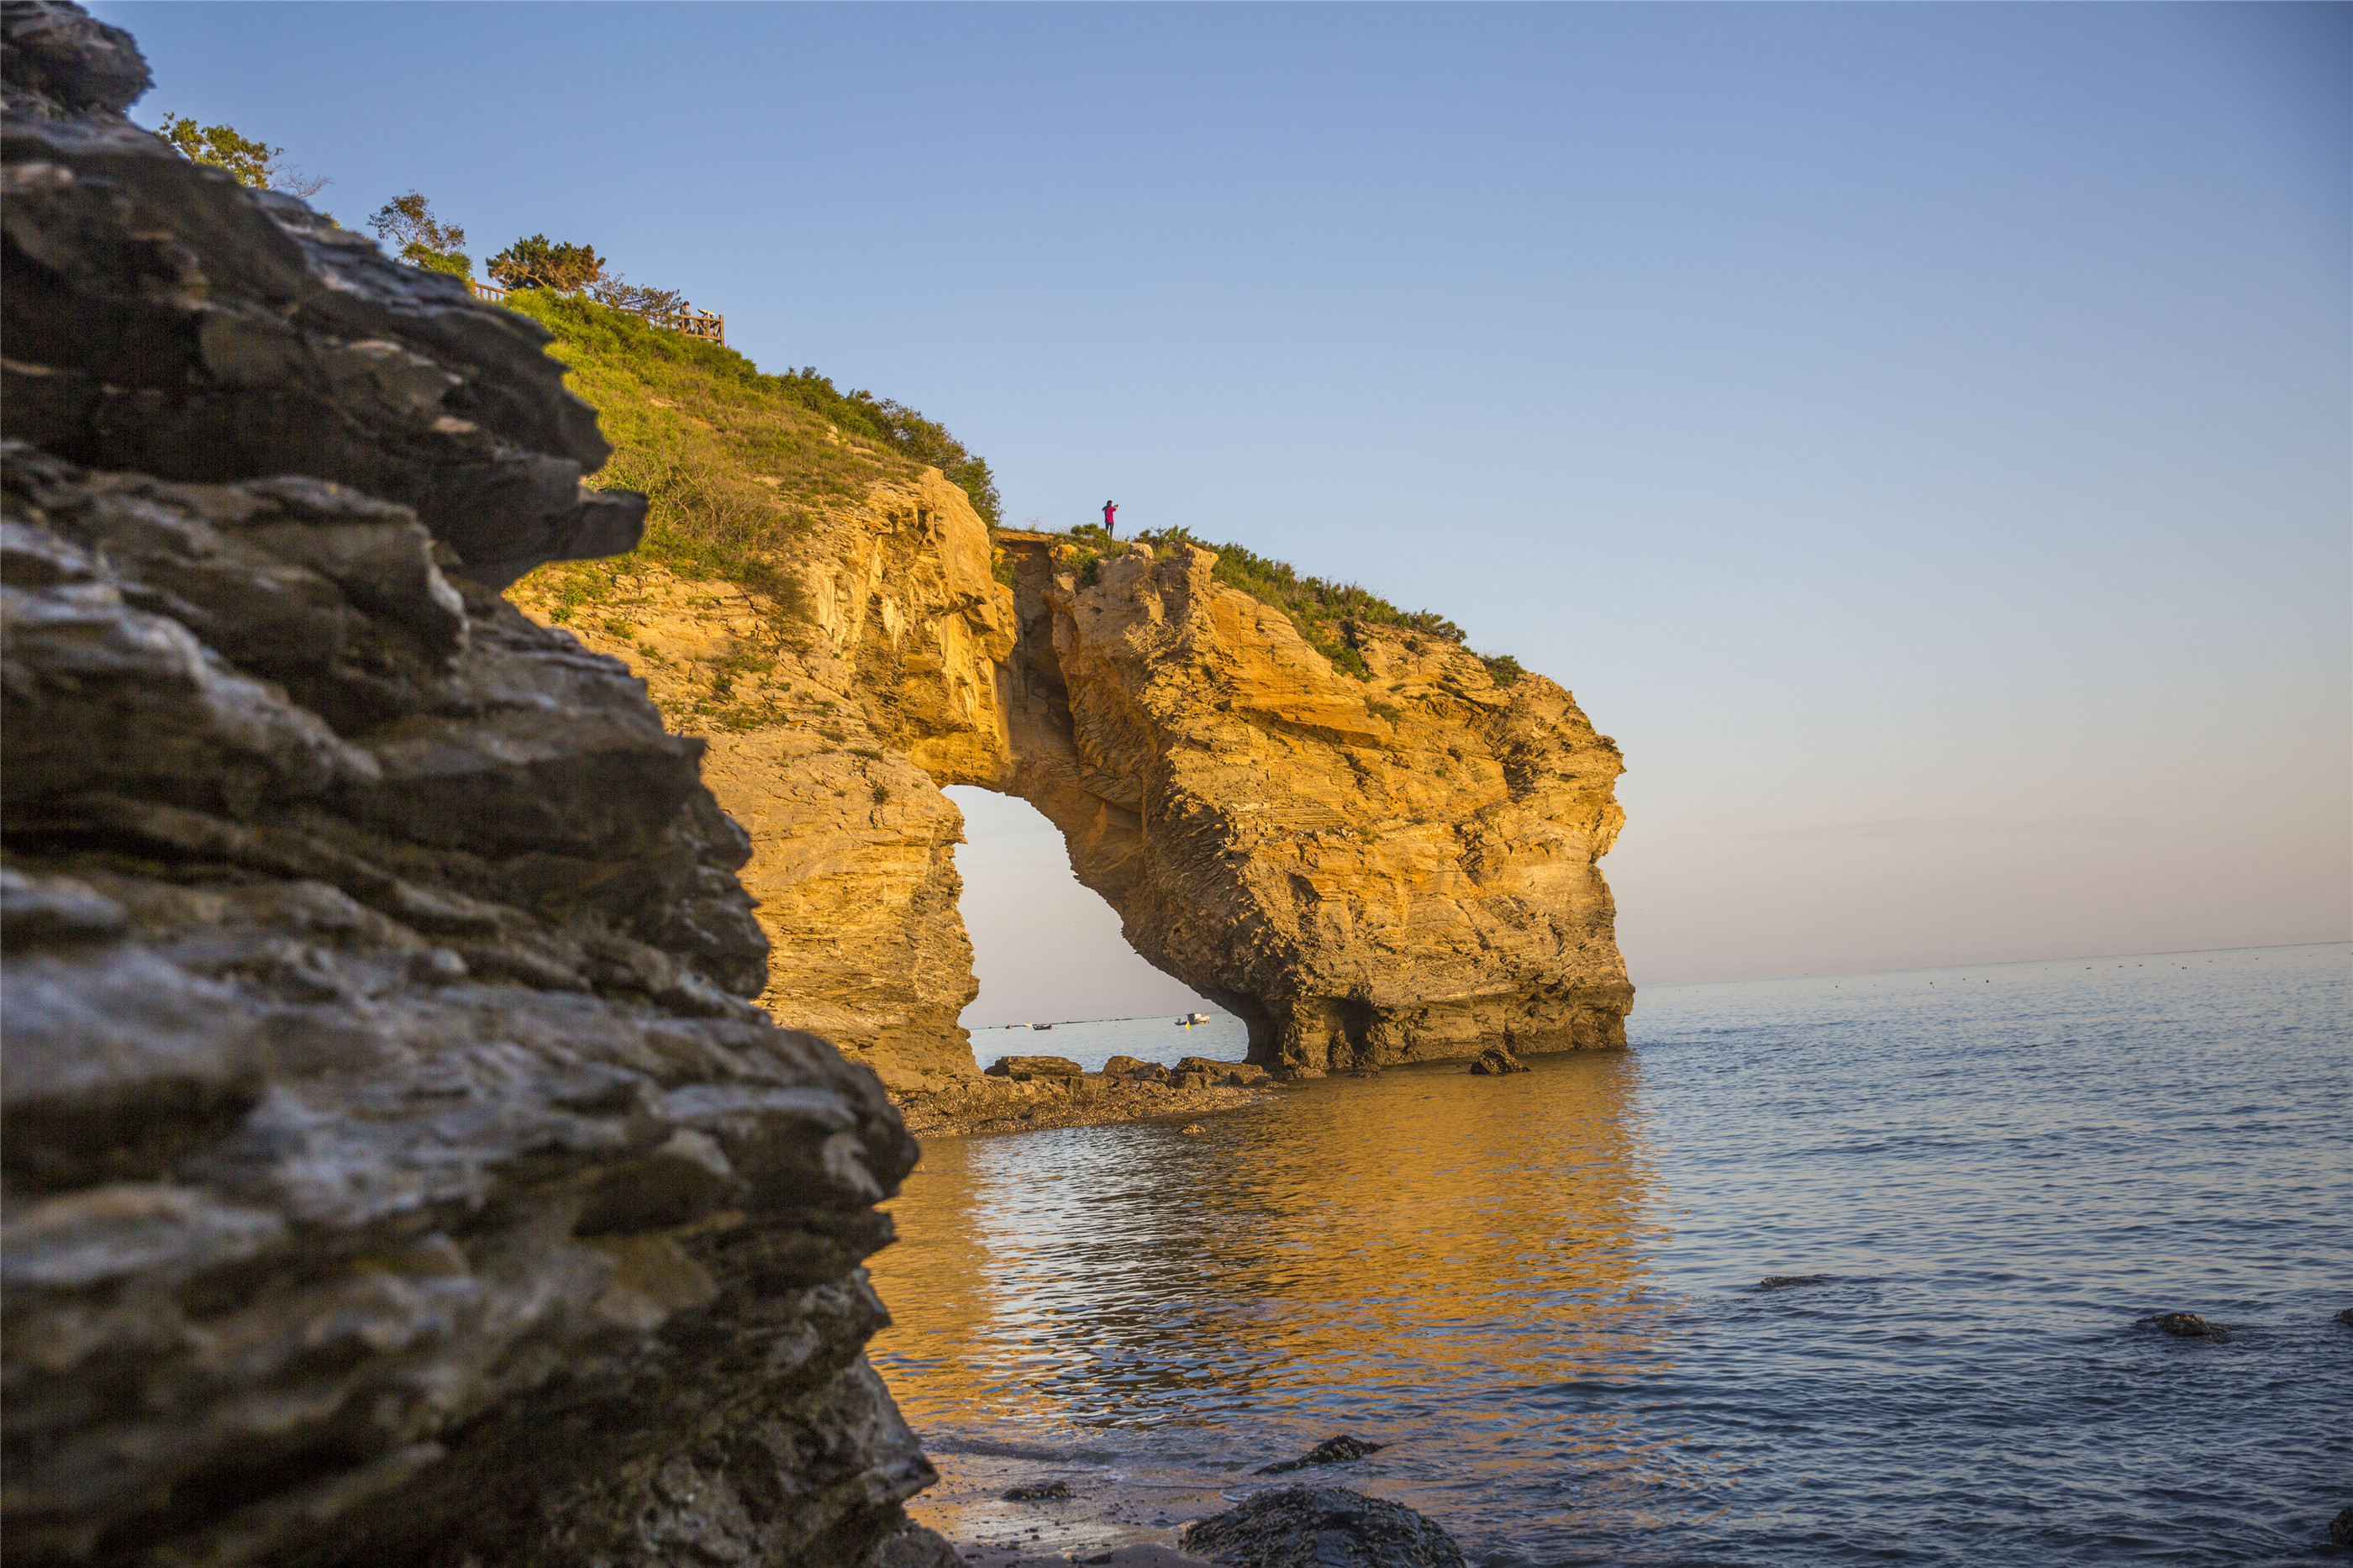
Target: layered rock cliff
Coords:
[(1368, 871), (394, 1169)]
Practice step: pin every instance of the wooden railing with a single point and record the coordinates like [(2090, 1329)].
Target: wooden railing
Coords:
[(700, 325)]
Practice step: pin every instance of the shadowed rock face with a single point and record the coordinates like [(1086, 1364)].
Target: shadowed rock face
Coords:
[(394, 1169)]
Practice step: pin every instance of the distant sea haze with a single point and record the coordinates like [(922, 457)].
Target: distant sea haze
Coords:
[(1544, 1291)]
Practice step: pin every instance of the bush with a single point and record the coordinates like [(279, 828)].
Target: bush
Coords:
[(540, 262), (1502, 668), (452, 262), (928, 442)]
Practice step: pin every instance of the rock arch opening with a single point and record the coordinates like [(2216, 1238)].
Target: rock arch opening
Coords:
[(1046, 949)]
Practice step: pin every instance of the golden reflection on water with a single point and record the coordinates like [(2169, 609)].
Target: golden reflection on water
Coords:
[(1359, 1249)]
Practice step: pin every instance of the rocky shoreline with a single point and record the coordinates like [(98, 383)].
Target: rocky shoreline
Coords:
[(1033, 1097), (1002, 1511)]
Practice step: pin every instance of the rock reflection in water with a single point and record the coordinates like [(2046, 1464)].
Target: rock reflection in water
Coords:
[(1397, 1256)]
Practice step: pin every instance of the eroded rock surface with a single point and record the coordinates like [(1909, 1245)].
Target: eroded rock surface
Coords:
[(396, 1170)]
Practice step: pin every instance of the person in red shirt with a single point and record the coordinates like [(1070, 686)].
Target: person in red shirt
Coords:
[(1111, 517)]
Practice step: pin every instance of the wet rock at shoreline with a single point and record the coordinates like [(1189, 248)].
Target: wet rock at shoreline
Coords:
[(1323, 1527), (1495, 1061), (1331, 1451), (2184, 1326), (1024, 1069), (1790, 1281), (1233, 1075)]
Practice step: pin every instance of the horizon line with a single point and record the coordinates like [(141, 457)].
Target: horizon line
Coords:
[(1996, 964), (1810, 974)]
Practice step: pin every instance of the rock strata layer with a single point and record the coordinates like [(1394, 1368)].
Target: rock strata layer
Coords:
[(395, 1171)]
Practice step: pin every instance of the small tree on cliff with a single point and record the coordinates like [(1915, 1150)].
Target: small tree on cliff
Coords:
[(254, 163), (423, 239), (540, 262)]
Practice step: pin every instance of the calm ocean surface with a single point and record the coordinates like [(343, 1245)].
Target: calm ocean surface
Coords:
[(1541, 1290)]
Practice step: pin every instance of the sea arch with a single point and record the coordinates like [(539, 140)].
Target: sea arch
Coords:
[(1394, 864)]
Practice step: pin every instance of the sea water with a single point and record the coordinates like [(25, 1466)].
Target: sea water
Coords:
[(1542, 1291)]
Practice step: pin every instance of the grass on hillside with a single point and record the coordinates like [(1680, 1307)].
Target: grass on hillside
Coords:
[(731, 460)]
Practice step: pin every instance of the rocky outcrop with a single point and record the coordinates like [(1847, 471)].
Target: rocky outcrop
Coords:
[(1368, 872), (395, 1171)]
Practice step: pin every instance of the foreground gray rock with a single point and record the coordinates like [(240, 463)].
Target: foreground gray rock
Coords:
[(395, 1172), (1323, 1527)]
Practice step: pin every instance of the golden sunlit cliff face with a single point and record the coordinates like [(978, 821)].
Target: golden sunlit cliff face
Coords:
[(834, 710), (1368, 872)]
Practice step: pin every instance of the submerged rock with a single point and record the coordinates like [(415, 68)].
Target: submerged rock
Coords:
[(396, 1170), (2184, 1326), (2346, 1317), (1495, 1061), (2340, 1529), (1323, 1527), (1331, 1451), (1791, 1281)]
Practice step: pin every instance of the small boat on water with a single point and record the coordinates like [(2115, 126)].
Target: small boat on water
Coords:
[(1189, 1019), (1041, 1025)]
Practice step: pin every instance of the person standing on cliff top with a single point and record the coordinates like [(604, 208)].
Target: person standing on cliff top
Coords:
[(1111, 517)]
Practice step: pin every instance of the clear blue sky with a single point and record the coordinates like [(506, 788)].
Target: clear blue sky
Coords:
[(1922, 435)]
